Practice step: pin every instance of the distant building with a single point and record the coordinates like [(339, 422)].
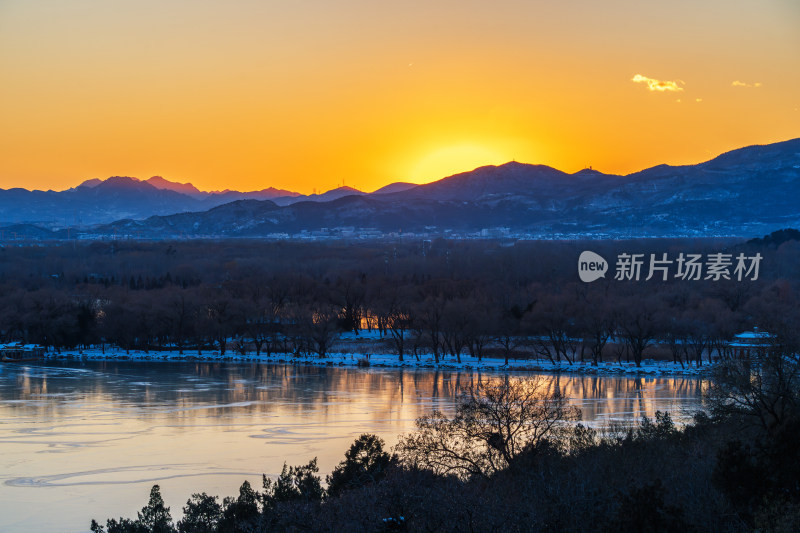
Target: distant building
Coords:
[(749, 343), (16, 351)]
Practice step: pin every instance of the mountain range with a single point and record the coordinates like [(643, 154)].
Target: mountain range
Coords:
[(98, 201), (746, 192)]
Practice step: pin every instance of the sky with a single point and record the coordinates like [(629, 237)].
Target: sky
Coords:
[(308, 95)]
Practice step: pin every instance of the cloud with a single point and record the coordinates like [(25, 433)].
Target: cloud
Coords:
[(738, 83), (659, 85)]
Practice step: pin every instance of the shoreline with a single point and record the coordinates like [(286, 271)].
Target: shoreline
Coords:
[(648, 367)]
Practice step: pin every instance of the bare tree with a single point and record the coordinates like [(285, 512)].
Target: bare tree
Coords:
[(431, 314), (456, 321), (507, 333), (480, 327), (349, 293), (494, 422), (399, 319), (219, 310), (765, 385), (179, 306), (318, 327), (637, 319), (550, 326)]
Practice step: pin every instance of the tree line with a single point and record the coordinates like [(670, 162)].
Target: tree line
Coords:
[(446, 298)]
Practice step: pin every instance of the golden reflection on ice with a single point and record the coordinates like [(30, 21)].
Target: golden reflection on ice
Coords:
[(94, 437)]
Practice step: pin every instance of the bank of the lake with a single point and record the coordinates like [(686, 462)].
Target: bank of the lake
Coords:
[(648, 367)]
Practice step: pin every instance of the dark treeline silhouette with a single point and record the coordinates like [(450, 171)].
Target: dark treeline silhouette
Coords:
[(442, 297)]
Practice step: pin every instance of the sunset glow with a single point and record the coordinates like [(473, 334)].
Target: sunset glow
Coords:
[(309, 95), (448, 160)]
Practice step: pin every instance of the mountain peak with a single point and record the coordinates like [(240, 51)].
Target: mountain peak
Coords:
[(332, 194), (184, 188), (91, 183), (590, 173), (510, 178), (513, 164), (121, 182), (780, 153), (398, 186), (273, 192)]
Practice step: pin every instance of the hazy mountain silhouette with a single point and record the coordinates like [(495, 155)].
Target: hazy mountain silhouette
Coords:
[(91, 183), (746, 192), (394, 187), (97, 201), (214, 198), (750, 191), (184, 188), (91, 202)]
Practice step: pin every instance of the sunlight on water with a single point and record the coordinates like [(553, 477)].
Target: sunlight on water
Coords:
[(88, 440)]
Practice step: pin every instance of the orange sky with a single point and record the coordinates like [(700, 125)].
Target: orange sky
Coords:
[(310, 94)]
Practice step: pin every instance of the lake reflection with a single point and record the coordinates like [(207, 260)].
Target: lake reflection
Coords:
[(83, 440)]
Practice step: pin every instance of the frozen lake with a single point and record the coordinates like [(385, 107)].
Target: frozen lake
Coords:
[(88, 440)]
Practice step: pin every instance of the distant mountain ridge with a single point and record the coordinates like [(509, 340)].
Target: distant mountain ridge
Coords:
[(749, 191), (184, 188), (97, 201), (746, 192), (190, 190)]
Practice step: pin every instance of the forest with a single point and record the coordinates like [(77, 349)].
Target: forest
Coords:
[(440, 297)]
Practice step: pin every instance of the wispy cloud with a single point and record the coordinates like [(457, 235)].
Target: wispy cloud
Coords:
[(659, 85), (738, 83)]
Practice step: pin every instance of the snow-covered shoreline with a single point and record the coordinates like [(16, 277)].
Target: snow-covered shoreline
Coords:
[(425, 362)]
